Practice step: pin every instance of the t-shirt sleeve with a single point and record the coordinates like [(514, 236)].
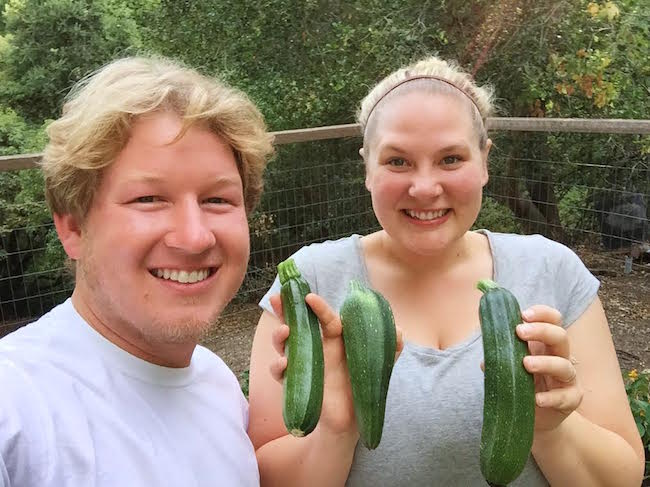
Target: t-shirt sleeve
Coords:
[(23, 436), (576, 286), (306, 267), (4, 476)]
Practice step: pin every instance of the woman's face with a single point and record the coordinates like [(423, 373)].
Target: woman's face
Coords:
[(425, 170)]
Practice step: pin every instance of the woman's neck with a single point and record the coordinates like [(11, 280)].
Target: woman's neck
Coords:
[(441, 262)]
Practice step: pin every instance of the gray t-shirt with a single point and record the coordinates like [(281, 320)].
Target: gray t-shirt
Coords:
[(434, 409)]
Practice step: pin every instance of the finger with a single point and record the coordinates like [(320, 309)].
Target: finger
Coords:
[(279, 337), (329, 320), (482, 365), (278, 367), (558, 368), (565, 400), (400, 342), (550, 335), (536, 348), (542, 313), (276, 304)]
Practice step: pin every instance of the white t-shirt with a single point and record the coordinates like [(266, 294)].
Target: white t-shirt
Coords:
[(78, 411)]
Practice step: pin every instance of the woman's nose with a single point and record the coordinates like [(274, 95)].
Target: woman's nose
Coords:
[(425, 184)]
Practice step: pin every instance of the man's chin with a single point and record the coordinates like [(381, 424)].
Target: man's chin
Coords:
[(179, 332)]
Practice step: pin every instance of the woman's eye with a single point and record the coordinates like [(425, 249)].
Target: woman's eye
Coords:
[(397, 162), (449, 160)]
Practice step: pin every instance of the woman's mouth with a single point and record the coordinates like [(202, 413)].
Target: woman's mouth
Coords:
[(426, 215)]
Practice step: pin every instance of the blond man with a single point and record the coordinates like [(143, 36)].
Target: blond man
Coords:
[(150, 174)]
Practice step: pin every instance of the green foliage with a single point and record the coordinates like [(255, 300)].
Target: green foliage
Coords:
[(496, 217), (309, 63), (18, 136), (243, 382), (304, 63), (54, 43), (638, 394), (31, 257), (572, 208), (574, 59), (2, 21)]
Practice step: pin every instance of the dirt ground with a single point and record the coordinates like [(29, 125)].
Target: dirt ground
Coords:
[(625, 297)]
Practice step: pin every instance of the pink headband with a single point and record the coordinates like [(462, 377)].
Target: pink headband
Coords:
[(424, 76)]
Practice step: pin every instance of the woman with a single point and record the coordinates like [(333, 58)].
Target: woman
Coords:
[(425, 148)]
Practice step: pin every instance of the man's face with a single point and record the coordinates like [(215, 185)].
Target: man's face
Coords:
[(165, 244)]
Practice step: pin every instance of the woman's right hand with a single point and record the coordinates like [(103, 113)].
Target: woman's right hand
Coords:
[(337, 413)]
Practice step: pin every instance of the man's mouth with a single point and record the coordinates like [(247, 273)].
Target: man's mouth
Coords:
[(184, 276), (426, 215)]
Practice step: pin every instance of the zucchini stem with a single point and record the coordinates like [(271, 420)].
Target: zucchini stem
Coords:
[(287, 270), (484, 285)]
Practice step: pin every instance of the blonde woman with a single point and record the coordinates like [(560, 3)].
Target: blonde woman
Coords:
[(150, 174), (425, 148)]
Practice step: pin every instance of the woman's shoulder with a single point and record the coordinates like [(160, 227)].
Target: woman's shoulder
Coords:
[(338, 249), (535, 246)]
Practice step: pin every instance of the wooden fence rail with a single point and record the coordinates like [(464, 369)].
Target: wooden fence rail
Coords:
[(582, 125)]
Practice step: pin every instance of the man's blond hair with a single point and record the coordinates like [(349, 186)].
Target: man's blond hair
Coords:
[(99, 111)]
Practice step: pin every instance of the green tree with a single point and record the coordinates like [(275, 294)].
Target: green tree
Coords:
[(53, 43), (570, 59)]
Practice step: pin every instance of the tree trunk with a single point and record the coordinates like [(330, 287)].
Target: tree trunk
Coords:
[(536, 214)]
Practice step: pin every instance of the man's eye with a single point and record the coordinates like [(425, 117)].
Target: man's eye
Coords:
[(146, 199), (216, 200)]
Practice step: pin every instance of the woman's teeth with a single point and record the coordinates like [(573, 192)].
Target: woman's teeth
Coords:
[(426, 215)]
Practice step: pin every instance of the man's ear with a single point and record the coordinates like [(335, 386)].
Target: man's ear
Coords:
[(68, 229)]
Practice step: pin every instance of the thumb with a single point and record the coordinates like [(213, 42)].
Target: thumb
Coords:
[(330, 321)]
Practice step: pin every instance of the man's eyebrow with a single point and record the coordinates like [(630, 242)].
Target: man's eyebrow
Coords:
[(155, 178)]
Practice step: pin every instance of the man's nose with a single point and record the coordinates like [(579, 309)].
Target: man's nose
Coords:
[(189, 230)]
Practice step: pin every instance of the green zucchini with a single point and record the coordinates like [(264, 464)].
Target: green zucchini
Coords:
[(370, 340), (304, 375), (509, 403)]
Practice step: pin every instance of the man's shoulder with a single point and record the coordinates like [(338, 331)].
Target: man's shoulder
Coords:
[(209, 363), (36, 341)]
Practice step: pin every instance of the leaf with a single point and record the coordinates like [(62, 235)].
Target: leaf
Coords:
[(610, 10), (600, 100), (593, 9)]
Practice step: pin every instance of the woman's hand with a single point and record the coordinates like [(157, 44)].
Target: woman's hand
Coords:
[(558, 393), (337, 413)]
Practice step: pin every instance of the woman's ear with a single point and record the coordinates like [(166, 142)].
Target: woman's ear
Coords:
[(484, 156), (68, 229)]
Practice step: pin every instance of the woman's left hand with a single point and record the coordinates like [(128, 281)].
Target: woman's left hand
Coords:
[(557, 392)]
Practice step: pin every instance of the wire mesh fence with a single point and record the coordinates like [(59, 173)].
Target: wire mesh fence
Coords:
[(315, 191)]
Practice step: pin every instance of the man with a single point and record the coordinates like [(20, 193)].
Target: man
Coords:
[(150, 174)]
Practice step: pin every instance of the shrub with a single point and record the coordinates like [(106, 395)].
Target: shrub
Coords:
[(636, 386)]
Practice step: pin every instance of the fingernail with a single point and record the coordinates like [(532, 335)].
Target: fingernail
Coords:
[(524, 328), (539, 400), (527, 314), (529, 362)]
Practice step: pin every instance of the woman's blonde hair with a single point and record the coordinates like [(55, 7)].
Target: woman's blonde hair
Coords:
[(99, 111), (432, 75)]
